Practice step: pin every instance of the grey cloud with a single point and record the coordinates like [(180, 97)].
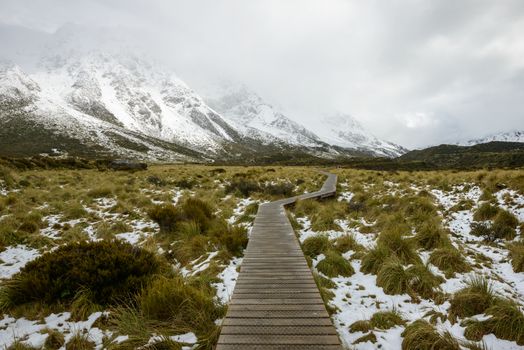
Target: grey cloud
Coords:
[(456, 62)]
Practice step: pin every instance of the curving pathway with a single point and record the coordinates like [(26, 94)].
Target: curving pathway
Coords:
[(276, 303)]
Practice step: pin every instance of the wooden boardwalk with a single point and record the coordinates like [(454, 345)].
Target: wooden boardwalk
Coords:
[(276, 303)]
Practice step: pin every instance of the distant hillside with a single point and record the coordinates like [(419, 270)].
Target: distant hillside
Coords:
[(487, 155), (491, 154)]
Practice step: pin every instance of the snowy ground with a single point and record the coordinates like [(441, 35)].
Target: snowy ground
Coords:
[(100, 210), (358, 297)]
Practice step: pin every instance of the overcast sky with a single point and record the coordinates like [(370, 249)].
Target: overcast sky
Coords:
[(414, 72)]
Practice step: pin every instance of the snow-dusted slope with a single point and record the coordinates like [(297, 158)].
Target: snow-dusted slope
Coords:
[(255, 118), (258, 119), (345, 131), (80, 88), (35, 119), (510, 136), (128, 92)]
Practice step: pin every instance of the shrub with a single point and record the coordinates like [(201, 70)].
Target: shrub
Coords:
[(420, 335), (243, 186), (185, 184), (324, 285), (111, 270), (334, 265), (485, 212), (472, 300), (285, 189), (166, 216), (199, 211), (315, 245), (516, 254), (156, 181), (449, 260)]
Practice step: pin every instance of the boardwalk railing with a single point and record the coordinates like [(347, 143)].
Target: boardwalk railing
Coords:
[(276, 303)]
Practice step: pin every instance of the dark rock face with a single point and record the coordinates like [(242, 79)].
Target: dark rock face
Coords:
[(124, 164)]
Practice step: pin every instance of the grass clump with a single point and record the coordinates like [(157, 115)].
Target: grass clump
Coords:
[(402, 248), (415, 280), (485, 212), (80, 341), (386, 319), (242, 186), (506, 322), (431, 235), (54, 341), (347, 242), (334, 265), (171, 304), (516, 254), (449, 260), (421, 335), (109, 270), (374, 259), (472, 300), (315, 245)]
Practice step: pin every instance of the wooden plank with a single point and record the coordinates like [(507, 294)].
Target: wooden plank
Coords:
[(276, 304), (276, 339)]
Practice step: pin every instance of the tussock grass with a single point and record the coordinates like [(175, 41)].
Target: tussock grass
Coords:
[(170, 303), (420, 335), (449, 260), (416, 280), (516, 254), (19, 345), (474, 299), (506, 321), (431, 235), (334, 265), (324, 285), (347, 242), (486, 211), (54, 341), (402, 248), (315, 245), (80, 341), (374, 259), (380, 320)]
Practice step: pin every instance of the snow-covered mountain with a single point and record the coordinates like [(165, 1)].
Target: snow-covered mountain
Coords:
[(510, 136), (256, 118), (82, 95), (345, 131)]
